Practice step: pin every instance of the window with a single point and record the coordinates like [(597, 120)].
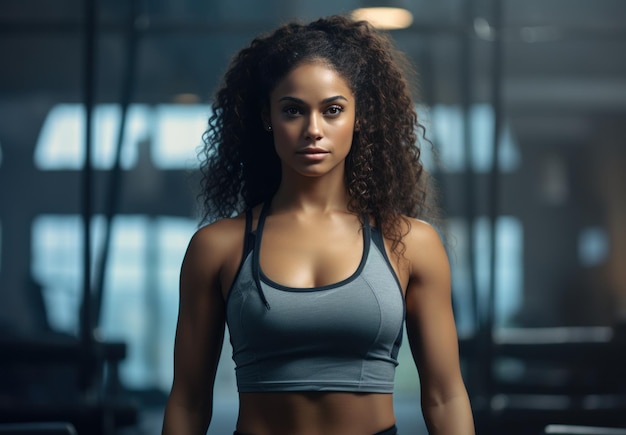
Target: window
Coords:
[(140, 302)]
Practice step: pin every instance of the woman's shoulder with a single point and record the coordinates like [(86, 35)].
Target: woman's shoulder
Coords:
[(424, 244), (421, 232), (225, 231), (416, 235), (219, 237), (420, 250)]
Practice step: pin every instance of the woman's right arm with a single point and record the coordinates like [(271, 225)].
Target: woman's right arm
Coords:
[(199, 337)]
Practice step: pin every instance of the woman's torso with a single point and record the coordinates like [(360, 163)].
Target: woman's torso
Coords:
[(305, 252), (314, 413)]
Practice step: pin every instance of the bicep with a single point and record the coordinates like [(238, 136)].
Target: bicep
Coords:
[(430, 323), (200, 327)]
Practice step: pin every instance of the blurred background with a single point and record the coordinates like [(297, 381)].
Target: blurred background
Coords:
[(102, 108)]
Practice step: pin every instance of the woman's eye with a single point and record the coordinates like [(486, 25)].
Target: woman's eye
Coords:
[(292, 111), (334, 110)]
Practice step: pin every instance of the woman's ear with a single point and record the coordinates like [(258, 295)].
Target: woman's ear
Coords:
[(357, 126), (265, 117)]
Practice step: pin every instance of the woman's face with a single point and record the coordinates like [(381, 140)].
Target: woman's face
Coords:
[(312, 114)]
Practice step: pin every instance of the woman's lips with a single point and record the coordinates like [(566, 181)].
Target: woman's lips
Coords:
[(313, 153)]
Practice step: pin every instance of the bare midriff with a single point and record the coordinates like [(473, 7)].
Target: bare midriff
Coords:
[(314, 413)]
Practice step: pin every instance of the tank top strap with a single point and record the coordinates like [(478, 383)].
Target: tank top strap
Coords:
[(379, 241), (256, 268), (264, 212), (367, 234), (248, 237), (377, 238)]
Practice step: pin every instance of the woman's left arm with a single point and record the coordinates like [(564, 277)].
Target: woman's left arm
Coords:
[(432, 334)]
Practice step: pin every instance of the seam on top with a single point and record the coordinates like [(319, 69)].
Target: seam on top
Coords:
[(248, 246), (256, 363), (378, 332), (380, 246)]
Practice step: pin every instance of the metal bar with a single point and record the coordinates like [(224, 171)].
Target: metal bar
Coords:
[(494, 188), (86, 320), (466, 79), (116, 174)]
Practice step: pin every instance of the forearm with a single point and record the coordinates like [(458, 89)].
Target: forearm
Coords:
[(451, 417), (184, 420)]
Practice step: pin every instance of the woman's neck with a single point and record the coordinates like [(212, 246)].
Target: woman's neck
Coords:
[(314, 195)]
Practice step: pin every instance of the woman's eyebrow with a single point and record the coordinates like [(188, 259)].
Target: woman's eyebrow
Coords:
[(324, 101)]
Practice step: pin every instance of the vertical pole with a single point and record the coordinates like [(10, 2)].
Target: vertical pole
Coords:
[(113, 193), (494, 184), (85, 331), (466, 77)]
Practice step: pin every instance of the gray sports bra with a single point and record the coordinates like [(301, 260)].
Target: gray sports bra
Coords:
[(339, 337)]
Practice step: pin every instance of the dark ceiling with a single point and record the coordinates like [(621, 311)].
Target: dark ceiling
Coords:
[(565, 56)]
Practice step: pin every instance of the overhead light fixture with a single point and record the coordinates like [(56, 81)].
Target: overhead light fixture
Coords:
[(386, 15), (186, 98)]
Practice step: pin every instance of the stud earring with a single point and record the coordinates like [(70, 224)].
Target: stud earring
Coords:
[(269, 128)]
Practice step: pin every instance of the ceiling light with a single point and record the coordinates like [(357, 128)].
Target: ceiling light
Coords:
[(186, 98), (387, 17)]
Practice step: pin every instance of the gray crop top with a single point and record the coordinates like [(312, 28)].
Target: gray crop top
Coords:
[(339, 337)]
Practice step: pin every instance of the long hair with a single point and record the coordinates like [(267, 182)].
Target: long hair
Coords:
[(384, 175)]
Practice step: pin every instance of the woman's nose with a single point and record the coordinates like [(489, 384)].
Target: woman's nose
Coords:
[(313, 128)]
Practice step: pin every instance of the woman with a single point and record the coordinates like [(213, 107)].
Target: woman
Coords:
[(317, 258)]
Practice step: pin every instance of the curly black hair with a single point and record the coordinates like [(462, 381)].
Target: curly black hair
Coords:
[(384, 175)]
